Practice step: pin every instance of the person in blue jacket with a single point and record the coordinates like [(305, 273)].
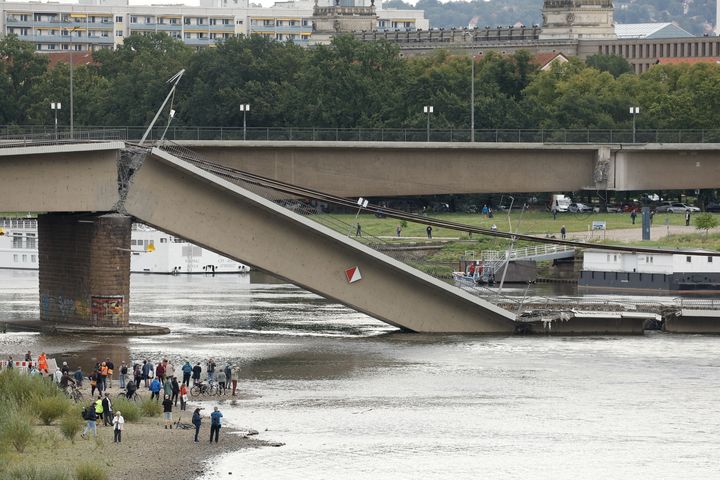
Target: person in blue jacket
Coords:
[(187, 371), (215, 424), (155, 388), (197, 421)]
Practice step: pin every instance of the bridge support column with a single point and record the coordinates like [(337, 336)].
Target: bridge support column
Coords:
[(84, 269)]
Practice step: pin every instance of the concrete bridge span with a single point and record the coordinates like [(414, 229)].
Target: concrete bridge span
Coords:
[(352, 169), (90, 192)]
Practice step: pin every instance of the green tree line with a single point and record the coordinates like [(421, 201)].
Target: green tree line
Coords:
[(350, 84)]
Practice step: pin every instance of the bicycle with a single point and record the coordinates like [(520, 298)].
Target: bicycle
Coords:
[(204, 389), (134, 397), (74, 393)]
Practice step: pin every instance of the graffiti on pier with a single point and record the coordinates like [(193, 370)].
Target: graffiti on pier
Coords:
[(107, 309)]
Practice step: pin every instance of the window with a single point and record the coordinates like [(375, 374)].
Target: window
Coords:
[(118, 33), (709, 259), (24, 258), (15, 257), (133, 19), (213, 21), (187, 35), (17, 241), (187, 21), (688, 259), (200, 21), (30, 242), (118, 19), (148, 20), (163, 240), (33, 259)]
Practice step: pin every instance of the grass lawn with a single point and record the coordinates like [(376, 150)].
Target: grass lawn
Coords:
[(527, 223)]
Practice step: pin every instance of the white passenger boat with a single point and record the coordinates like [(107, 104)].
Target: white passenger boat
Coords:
[(152, 251)]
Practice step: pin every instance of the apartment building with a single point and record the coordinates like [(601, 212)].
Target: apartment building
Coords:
[(96, 24)]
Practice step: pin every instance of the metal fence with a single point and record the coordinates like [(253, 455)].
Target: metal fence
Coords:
[(562, 136)]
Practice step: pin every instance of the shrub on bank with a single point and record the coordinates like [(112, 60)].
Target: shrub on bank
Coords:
[(16, 429), (71, 424), (48, 409), (129, 409), (22, 388), (150, 408), (90, 471), (33, 472)]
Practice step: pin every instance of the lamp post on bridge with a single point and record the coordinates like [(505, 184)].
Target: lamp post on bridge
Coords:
[(244, 107), (634, 111), (55, 106), (428, 109)]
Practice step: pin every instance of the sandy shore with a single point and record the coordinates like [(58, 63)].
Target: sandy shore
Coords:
[(147, 450)]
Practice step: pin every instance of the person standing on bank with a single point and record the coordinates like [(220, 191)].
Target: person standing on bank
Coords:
[(687, 218), (633, 216), (197, 421), (554, 212), (167, 411), (123, 374), (429, 232), (563, 232), (215, 424), (118, 426)]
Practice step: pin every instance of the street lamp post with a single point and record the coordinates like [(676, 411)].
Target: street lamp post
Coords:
[(634, 111), (244, 107), (472, 98), (72, 96), (428, 109), (55, 106)]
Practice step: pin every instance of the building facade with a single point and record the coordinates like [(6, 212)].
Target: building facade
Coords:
[(96, 24)]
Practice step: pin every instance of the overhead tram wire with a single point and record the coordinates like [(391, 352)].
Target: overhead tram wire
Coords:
[(288, 188)]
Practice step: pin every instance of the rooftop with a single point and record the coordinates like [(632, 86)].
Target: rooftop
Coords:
[(650, 30)]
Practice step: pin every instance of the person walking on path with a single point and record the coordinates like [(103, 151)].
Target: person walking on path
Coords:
[(429, 232), (187, 371), (118, 426), (358, 230), (90, 417), (167, 412), (197, 421), (633, 216), (398, 230), (215, 424), (554, 213), (687, 218), (563, 232), (155, 388), (99, 408), (196, 371)]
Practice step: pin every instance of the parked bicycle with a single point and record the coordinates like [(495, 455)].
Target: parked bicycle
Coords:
[(201, 389)]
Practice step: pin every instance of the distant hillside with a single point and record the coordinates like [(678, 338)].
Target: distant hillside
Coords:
[(695, 16)]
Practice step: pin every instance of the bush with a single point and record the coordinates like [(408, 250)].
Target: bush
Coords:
[(17, 429), (32, 472), (71, 424), (21, 389), (90, 471), (50, 408), (150, 408), (129, 409)]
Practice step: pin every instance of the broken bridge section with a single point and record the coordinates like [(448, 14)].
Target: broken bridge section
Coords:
[(177, 197)]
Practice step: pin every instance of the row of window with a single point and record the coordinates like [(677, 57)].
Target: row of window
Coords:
[(17, 258), (279, 23), (20, 241)]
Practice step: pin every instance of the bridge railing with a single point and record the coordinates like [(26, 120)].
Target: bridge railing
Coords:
[(523, 253), (45, 138), (699, 303), (317, 134)]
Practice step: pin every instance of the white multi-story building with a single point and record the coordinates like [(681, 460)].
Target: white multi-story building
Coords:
[(96, 24)]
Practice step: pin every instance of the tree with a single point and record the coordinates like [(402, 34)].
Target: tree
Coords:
[(20, 69), (615, 65), (706, 221)]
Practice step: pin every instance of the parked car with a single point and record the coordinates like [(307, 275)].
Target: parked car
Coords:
[(579, 208), (675, 207), (713, 207)]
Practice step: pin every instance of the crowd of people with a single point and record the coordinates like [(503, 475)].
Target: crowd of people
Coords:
[(161, 379)]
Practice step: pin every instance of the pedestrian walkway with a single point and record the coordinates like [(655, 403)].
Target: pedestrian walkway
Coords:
[(632, 234)]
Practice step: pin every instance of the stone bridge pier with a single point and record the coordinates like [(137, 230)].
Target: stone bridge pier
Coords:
[(84, 264)]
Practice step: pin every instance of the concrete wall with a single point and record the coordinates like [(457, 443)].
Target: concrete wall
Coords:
[(84, 268), (59, 178), (395, 169)]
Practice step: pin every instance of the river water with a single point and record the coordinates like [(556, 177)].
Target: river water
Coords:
[(354, 398)]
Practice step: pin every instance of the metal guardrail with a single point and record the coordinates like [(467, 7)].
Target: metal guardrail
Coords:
[(62, 137), (699, 303), (561, 136), (525, 253)]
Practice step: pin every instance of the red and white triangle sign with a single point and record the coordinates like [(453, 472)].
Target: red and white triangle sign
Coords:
[(353, 274)]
